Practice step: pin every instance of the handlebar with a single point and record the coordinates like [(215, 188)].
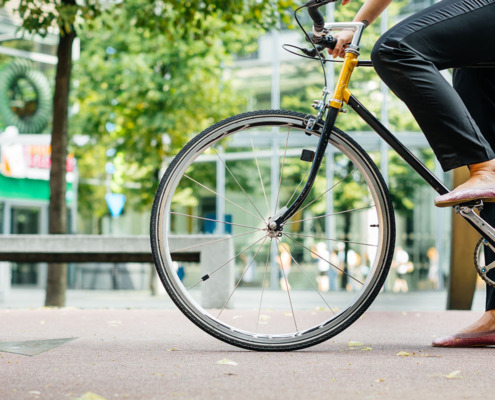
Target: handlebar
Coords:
[(319, 24), (317, 17)]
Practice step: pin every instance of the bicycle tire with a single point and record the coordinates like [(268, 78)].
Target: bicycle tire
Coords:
[(275, 325)]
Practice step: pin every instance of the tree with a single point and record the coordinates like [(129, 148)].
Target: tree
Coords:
[(38, 16), (174, 19), (146, 86)]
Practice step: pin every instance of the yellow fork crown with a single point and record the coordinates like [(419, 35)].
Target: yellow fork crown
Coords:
[(341, 93)]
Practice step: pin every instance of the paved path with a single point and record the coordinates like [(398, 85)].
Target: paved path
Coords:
[(135, 299), (159, 354)]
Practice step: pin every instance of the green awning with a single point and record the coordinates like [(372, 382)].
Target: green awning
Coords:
[(27, 189)]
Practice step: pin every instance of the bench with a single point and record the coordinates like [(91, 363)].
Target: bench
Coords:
[(120, 249)]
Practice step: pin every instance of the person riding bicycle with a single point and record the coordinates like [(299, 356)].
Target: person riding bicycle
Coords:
[(459, 121)]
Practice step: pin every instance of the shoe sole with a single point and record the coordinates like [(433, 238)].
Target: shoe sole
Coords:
[(453, 203)]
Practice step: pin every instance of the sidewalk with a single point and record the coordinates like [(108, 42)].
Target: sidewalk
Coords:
[(158, 354), (135, 299), (155, 354)]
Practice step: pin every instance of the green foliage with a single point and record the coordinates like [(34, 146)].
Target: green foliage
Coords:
[(38, 16), (152, 75), (366, 86)]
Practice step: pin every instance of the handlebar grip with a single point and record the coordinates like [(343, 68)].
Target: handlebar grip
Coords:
[(317, 17)]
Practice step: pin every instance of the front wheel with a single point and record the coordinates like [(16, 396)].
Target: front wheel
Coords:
[(237, 278)]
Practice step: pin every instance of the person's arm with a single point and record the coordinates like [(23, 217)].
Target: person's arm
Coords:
[(368, 13)]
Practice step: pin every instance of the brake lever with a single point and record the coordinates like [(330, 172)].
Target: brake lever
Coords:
[(326, 42), (313, 52)]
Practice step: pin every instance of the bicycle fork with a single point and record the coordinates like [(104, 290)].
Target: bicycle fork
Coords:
[(341, 94)]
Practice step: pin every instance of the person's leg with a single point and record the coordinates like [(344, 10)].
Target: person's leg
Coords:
[(476, 87), (451, 33)]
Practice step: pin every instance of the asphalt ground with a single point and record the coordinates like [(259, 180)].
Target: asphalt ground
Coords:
[(134, 299), (94, 354)]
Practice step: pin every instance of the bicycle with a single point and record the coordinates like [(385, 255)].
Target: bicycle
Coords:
[(291, 179)]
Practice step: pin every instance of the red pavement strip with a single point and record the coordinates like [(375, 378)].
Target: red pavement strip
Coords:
[(154, 354)]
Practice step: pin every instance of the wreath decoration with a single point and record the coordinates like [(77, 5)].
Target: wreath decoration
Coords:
[(25, 97)]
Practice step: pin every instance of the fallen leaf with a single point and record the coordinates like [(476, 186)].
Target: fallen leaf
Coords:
[(403, 354), (354, 343), (91, 396), (380, 380), (454, 375), (226, 361), (367, 349)]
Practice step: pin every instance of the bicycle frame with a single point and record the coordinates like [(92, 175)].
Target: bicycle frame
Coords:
[(343, 95)]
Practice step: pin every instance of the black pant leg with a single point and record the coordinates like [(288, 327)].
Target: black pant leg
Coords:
[(409, 57), (476, 87)]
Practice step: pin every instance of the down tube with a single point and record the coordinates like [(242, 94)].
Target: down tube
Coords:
[(393, 142)]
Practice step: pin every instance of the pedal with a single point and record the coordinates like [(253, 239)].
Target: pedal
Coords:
[(475, 204)]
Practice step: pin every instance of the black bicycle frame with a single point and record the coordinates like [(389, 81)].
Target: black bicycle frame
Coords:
[(409, 158), (382, 131), (389, 138), (395, 144)]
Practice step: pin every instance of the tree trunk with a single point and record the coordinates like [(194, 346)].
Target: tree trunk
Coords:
[(57, 273)]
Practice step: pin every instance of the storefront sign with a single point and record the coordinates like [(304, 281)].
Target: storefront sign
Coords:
[(20, 160)]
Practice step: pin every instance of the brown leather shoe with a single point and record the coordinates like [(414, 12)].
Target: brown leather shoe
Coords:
[(478, 339), (465, 195)]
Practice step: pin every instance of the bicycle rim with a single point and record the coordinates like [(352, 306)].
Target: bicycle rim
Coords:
[(253, 288)]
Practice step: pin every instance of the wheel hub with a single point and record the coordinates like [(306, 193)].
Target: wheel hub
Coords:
[(272, 230)]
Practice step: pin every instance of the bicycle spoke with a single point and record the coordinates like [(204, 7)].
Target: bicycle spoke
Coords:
[(259, 174), (329, 215), (243, 273), (300, 183), (238, 184), (326, 191), (215, 220), (227, 200), (334, 240), (209, 274), (263, 289), (282, 171), (287, 287), (321, 258), (213, 241), (312, 284)]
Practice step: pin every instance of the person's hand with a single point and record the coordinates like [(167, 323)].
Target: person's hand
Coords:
[(343, 39)]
